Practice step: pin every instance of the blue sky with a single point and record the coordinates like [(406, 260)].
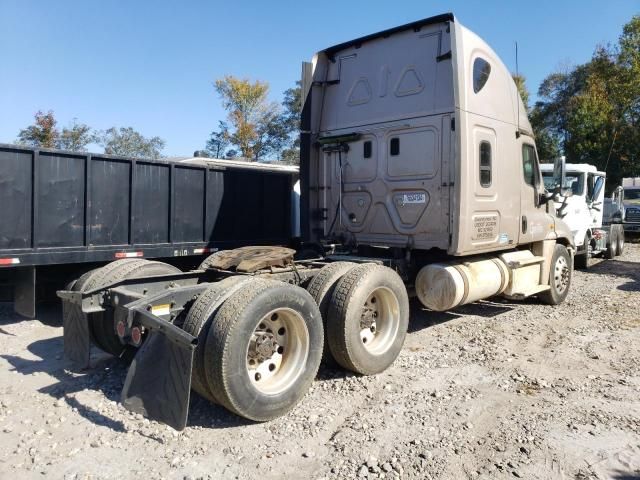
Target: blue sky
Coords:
[(151, 64)]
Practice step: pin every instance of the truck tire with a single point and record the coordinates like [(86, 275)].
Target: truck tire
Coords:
[(263, 349), (321, 289), (582, 259), (559, 277), (197, 323), (101, 325), (368, 319), (206, 263), (612, 244), (620, 241)]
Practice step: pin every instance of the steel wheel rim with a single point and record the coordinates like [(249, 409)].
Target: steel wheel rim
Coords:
[(561, 274), (277, 351), (380, 321)]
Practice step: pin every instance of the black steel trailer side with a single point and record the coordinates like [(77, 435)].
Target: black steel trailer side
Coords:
[(61, 208)]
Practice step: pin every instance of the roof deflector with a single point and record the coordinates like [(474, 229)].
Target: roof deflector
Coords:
[(445, 17)]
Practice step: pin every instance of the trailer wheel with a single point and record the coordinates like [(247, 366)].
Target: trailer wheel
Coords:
[(101, 325), (368, 319), (206, 263), (263, 349), (197, 323), (620, 241), (321, 289), (582, 260), (559, 277)]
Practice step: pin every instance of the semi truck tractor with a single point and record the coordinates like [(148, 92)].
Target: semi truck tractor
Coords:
[(419, 175), (583, 211), (631, 192)]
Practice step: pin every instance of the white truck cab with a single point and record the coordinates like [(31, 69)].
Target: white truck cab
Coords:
[(583, 210)]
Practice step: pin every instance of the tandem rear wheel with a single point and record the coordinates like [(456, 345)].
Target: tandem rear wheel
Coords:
[(260, 345), (367, 319), (102, 328)]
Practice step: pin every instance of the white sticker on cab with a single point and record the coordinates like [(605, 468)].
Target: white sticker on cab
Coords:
[(414, 198)]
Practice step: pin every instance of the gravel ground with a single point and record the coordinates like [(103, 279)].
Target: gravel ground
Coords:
[(491, 390)]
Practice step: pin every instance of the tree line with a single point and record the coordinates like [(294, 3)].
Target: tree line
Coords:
[(76, 137), (590, 113)]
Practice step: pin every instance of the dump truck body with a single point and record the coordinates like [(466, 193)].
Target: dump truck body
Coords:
[(61, 209)]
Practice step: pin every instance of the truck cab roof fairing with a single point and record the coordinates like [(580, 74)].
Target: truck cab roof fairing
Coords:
[(445, 17), (498, 98)]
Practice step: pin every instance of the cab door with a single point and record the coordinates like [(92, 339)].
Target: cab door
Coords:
[(534, 220)]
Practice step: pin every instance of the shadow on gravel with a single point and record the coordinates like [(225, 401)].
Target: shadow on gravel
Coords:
[(422, 317), (626, 476), (106, 375), (205, 414), (47, 313), (620, 268)]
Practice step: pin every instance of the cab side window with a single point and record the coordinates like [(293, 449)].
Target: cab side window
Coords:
[(529, 164)]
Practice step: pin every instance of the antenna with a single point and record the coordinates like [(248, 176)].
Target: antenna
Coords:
[(518, 93)]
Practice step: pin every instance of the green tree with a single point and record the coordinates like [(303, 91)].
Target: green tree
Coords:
[(259, 127), (130, 143), (76, 137), (247, 106), (292, 104), (521, 84), (43, 133), (592, 111), (219, 141)]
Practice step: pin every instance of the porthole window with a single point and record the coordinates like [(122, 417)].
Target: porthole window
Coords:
[(485, 164), (481, 72)]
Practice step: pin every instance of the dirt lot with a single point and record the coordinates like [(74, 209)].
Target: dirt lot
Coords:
[(492, 390)]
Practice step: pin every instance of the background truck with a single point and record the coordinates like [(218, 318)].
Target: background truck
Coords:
[(63, 213), (583, 211), (631, 195), (418, 172)]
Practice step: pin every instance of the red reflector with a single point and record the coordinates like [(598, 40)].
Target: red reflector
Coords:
[(129, 254), (9, 261)]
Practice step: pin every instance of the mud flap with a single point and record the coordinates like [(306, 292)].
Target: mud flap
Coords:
[(24, 302), (158, 384), (75, 327)]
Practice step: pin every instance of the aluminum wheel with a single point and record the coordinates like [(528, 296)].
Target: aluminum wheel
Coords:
[(277, 351), (380, 321), (561, 275)]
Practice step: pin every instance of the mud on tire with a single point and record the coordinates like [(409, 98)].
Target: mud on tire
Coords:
[(197, 323), (252, 370), (321, 289), (368, 319), (560, 276)]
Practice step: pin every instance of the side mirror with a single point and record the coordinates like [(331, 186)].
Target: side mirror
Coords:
[(597, 189), (559, 172), (617, 197)]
